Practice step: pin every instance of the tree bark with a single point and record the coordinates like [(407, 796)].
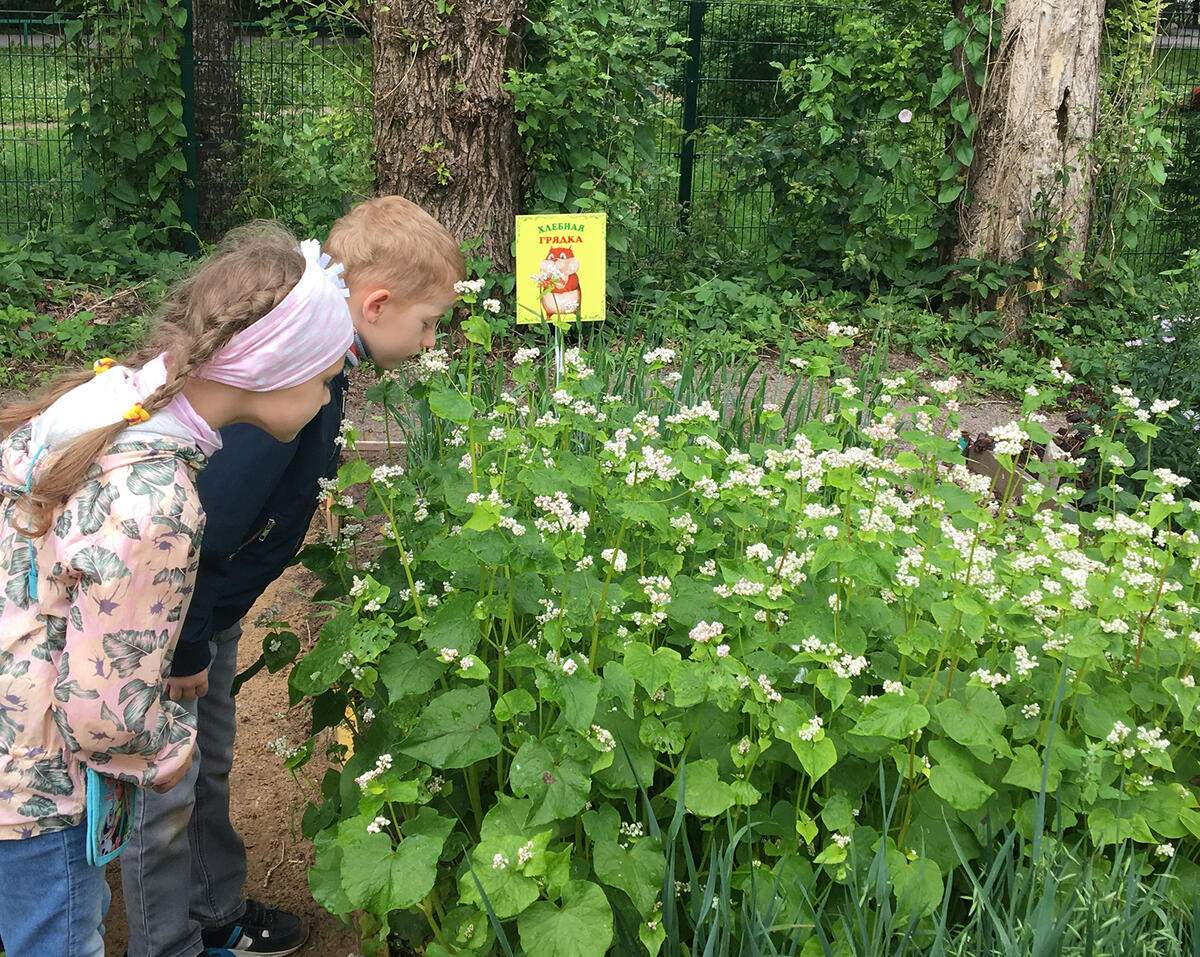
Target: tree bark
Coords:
[(218, 113), (445, 133), (1037, 118)]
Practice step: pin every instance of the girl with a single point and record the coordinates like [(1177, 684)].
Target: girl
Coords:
[(100, 529)]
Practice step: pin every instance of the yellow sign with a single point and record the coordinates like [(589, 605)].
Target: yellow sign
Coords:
[(560, 267)]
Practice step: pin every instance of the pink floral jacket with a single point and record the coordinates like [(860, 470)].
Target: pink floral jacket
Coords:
[(87, 632)]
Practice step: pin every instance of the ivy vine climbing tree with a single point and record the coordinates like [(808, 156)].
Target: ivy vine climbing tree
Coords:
[(445, 133)]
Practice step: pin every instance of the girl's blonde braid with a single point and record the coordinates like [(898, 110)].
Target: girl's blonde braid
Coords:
[(252, 270)]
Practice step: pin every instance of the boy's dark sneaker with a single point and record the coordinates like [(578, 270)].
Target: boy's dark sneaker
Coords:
[(260, 932)]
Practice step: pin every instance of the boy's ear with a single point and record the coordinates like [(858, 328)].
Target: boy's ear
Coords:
[(373, 303)]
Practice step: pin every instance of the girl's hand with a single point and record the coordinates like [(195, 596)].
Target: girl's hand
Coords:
[(186, 689)]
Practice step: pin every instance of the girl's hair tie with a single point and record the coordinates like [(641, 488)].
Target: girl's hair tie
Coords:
[(103, 365), (137, 414)]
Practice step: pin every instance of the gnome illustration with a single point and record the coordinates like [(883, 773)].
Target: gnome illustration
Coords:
[(561, 268)]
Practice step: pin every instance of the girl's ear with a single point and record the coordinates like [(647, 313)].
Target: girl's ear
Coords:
[(373, 303)]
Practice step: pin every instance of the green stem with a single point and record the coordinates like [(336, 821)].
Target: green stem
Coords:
[(595, 665), (473, 794)]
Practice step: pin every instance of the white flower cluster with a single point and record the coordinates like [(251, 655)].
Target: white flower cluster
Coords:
[(704, 412), (810, 729), (1058, 372), (706, 631), (663, 355), (282, 747), (992, 679), (604, 738), (430, 363), (616, 558), (386, 474), (1010, 438), (632, 831), (768, 689), (382, 763), (849, 666), (562, 515), (759, 551), (469, 286), (574, 362), (1170, 480), (657, 589), (655, 464), (687, 525), (523, 357)]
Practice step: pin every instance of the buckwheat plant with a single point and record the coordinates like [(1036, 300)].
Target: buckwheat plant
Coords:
[(586, 615)]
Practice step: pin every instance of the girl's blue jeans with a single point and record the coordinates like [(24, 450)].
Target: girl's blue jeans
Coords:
[(52, 901)]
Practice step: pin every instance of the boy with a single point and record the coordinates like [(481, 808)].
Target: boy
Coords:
[(183, 873)]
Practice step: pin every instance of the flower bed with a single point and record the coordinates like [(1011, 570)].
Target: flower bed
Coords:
[(619, 674)]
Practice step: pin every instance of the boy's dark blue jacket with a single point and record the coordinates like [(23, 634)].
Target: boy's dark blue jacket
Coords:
[(259, 496)]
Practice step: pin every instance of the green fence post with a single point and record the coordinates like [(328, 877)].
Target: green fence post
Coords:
[(187, 80), (691, 96)]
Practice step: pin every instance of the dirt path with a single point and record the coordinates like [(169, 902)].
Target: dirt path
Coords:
[(267, 803)]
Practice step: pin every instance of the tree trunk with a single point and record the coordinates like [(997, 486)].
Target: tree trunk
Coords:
[(218, 113), (1037, 119), (445, 134)]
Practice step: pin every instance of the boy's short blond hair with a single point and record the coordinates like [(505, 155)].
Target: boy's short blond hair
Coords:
[(390, 241)]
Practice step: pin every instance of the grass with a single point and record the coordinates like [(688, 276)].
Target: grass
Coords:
[(35, 80), (1178, 68), (38, 182)]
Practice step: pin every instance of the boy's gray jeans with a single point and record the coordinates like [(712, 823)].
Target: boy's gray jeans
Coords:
[(185, 865)]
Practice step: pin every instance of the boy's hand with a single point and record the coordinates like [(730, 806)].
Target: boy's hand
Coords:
[(162, 785), (185, 689)]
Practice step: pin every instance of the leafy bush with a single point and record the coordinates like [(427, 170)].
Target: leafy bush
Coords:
[(306, 172), (588, 107), (69, 297), (629, 663)]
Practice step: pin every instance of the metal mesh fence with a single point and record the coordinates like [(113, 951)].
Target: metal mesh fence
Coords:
[(304, 115), (291, 104), (1175, 227), (39, 181), (729, 79)]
